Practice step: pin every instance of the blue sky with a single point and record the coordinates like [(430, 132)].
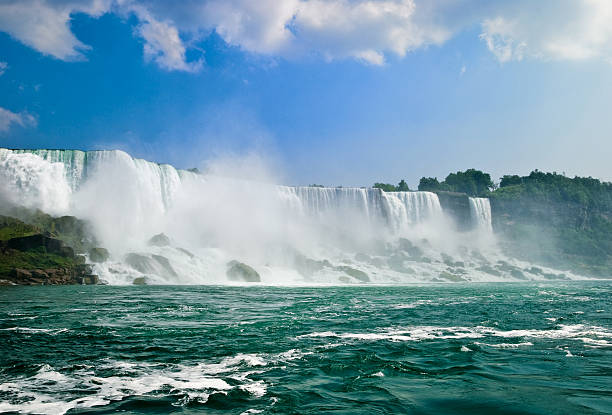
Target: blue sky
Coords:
[(335, 92)]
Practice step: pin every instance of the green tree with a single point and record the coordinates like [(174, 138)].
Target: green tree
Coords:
[(429, 184), (387, 187), (402, 186), (472, 182)]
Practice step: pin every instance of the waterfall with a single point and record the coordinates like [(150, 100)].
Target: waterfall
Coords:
[(480, 210), (396, 210), (286, 233), (157, 183)]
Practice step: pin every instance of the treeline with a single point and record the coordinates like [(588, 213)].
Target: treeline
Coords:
[(402, 186), (472, 182)]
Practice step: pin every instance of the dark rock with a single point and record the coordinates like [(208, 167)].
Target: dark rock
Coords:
[(38, 242), (457, 206), (139, 281), (21, 274), (98, 255), (237, 271), (39, 273), (89, 279), (159, 240)]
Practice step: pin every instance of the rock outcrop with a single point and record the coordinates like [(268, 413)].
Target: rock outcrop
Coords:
[(238, 271), (98, 255)]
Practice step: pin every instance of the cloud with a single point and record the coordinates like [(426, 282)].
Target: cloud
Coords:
[(45, 25), (369, 31), (162, 43), (8, 118), (3, 67), (551, 30)]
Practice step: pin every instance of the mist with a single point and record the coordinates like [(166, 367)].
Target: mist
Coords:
[(236, 211)]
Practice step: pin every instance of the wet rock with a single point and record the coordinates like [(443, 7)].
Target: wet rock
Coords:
[(139, 281), (165, 264), (450, 277), (159, 240), (89, 279), (308, 266), (98, 255), (156, 264), (355, 273), (489, 270), (141, 263), (411, 249), (238, 271)]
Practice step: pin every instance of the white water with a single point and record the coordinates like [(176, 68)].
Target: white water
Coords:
[(300, 235), (480, 210)]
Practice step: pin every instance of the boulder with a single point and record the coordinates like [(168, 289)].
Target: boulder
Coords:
[(98, 255), (156, 264), (165, 264), (159, 240), (88, 279), (141, 263), (139, 281), (355, 273), (237, 271)]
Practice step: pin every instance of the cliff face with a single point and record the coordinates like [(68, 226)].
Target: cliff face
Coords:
[(31, 255), (457, 206), (555, 230)]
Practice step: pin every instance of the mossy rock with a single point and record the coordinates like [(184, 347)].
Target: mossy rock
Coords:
[(139, 281), (238, 271), (355, 273), (98, 255)]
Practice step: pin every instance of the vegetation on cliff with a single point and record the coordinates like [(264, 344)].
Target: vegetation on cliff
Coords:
[(543, 217), (472, 182), (402, 186), (556, 219), (36, 252)]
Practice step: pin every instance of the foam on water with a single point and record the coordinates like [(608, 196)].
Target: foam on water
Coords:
[(591, 335)]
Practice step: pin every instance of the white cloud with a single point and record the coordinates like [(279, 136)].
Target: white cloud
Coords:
[(45, 25), (8, 118), (3, 67), (559, 30), (365, 30), (163, 43)]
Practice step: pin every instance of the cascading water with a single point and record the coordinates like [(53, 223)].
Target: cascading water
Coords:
[(480, 210), (288, 234)]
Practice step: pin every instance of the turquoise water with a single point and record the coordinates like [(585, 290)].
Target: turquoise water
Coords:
[(436, 349)]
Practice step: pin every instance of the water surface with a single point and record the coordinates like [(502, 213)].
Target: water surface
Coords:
[(532, 348)]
